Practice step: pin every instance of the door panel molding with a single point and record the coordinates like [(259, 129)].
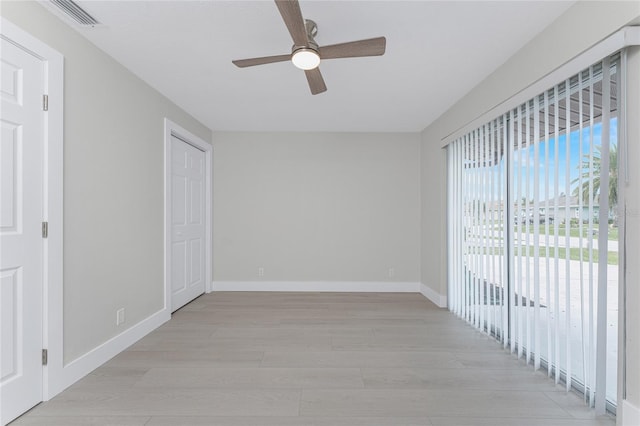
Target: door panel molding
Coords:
[(172, 129), (53, 62)]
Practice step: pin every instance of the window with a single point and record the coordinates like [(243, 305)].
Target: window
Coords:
[(533, 241)]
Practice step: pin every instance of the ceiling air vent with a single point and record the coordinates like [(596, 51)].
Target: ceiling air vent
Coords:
[(75, 12)]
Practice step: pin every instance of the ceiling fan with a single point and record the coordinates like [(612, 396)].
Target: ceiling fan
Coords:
[(306, 54)]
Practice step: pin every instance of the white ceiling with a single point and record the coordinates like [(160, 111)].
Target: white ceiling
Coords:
[(436, 52)]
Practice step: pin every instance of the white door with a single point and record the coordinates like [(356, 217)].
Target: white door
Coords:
[(21, 243), (187, 222)]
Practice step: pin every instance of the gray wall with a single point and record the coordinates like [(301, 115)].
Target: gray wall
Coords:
[(433, 224), (316, 206), (582, 26), (113, 185)]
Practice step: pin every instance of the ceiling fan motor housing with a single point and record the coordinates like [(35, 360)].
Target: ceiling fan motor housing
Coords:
[(312, 31)]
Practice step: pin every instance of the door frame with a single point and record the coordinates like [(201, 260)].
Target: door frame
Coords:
[(173, 129), (53, 143)]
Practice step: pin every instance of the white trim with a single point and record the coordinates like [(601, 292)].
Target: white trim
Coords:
[(172, 129), (52, 337), (627, 36), (88, 362), (630, 414), (319, 286), (438, 299)]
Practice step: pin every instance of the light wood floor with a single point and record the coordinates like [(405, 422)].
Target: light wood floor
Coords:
[(286, 359)]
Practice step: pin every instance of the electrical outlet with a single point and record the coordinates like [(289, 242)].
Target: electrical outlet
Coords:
[(392, 272), (120, 316), (261, 271)]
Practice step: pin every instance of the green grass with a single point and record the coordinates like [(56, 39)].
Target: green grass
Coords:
[(574, 253), (574, 231)]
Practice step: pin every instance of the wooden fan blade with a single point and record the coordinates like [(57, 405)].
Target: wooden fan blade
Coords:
[(292, 16), (243, 63), (316, 82), (353, 49)]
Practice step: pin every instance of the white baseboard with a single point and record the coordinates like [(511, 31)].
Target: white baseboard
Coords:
[(630, 414), (439, 300), (334, 286), (85, 364), (319, 286)]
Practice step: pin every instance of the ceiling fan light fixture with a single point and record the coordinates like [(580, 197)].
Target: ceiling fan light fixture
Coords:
[(305, 53), (305, 58)]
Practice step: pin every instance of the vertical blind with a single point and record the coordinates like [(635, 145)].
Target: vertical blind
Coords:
[(532, 257)]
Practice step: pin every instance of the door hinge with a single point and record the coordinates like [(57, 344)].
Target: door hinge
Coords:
[(45, 102), (45, 357), (45, 229)]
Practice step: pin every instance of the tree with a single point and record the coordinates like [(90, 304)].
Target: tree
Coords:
[(594, 178)]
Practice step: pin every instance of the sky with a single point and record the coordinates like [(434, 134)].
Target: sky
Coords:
[(524, 170)]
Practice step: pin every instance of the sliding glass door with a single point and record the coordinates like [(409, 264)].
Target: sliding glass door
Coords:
[(533, 241)]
